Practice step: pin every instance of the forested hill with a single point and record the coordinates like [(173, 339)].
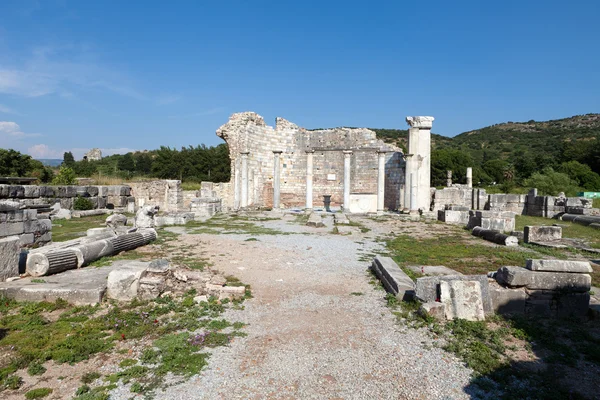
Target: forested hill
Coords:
[(515, 149)]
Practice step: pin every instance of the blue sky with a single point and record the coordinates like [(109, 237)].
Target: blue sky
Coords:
[(133, 75)]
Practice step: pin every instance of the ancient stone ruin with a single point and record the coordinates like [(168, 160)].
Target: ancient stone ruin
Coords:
[(289, 166), (93, 155)]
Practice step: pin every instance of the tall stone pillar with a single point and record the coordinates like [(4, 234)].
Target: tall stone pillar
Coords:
[(408, 168), (276, 178), (448, 178), (244, 197), (309, 179), (236, 184), (419, 148), (414, 206), (470, 177), (347, 155), (380, 181)]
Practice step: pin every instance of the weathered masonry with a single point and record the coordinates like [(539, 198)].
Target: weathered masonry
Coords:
[(289, 166)]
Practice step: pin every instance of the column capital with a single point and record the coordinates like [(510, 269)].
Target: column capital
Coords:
[(420, 122), (277, 151), (244, 153), (309, 151), (347, 152), (382, 151)]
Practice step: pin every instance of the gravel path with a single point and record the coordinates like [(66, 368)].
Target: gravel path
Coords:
[(309, 337)]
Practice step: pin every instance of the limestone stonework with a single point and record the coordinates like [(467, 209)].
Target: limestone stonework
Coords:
[(252, 145)]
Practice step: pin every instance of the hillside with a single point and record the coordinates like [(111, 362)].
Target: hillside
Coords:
[(554, 140), (511, 139)]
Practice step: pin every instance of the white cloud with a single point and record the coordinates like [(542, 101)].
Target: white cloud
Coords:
[(9, 128), (43, 151)]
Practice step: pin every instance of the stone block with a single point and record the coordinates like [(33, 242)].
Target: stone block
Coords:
[(11, 228), (117, 201), (16, 191), (92, 191), (565, 282), (31, 191), (508, 300), (10, 250), (573, 304), (67, 203), (462, 299), (102, 191), (9, 205), (427, 288), (432, 270), (315, 220), (123, 284), (394, 280), (26, 239), (453, 217), (434, 309), (102, 202), (542, 233), (578, 267)]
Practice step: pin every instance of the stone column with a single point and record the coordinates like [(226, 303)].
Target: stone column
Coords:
[(419, 147), (309, 179), (408, 167), (380, 181), (244, 197), (449, 178), (470, 177), (236, 184), (276, 178), (347, 155), (414, 193)]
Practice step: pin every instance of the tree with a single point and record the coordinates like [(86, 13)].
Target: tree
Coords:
[(65, 176), (68, 159), (550, 182), (126, 163), (582, 174), (449, 159)]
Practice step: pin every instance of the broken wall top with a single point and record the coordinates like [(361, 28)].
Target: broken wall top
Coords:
[(244, 129)]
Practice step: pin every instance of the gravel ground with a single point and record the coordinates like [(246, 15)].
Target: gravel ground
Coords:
[(308, 336)]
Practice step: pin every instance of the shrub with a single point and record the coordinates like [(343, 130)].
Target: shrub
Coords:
[(81, 203), (65, 176)]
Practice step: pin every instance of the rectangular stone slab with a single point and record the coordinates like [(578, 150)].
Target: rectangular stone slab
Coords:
[(561, 281), (462, 299), (542, 233), (579, 267), (393, 278), (426, 288)]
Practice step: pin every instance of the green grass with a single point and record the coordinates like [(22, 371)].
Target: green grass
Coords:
[(38, 393), (596, 203), (569, 229), (75, 227), (454, 252), (82, 332)]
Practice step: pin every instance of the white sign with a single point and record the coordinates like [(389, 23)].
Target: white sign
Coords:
[(331, 177)]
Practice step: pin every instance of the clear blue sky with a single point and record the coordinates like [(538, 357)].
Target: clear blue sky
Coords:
[(139, 74)]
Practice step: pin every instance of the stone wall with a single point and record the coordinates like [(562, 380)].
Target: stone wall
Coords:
[(167, 194), (31, 228), (253, 142), (34, 195), (520, 204)]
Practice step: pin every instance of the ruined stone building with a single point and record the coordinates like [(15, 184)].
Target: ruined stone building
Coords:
[(289, 166), (93, 155)]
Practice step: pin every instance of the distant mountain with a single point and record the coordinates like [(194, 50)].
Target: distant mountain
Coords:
[(50, 162)]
